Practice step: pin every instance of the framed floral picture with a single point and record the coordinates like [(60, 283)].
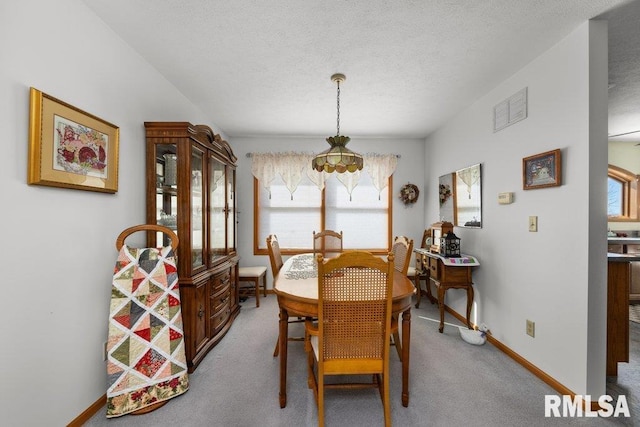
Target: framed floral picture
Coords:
[(542, 170), (70, 148)]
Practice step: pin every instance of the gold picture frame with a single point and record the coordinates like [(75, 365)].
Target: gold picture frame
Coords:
[(70, 148), (542, 170)]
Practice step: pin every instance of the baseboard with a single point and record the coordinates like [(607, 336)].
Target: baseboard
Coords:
[(89, 412), (552, 382)]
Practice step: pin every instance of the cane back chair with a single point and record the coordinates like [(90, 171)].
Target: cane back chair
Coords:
[(351, 336)]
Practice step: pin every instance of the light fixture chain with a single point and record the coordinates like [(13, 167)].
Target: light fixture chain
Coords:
[(338, 119)]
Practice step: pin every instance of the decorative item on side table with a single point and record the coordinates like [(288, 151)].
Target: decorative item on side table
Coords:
[(409, 194), (70, 148), (450, 245), (438, 230), (542, 170)]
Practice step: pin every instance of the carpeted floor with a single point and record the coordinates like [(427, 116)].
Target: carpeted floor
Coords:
[(452, 383), (628, 380), (634, 313)]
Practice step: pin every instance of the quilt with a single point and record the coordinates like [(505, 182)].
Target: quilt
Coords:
[(146, 362)]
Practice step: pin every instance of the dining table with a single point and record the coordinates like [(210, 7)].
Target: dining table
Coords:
[(296, 288)]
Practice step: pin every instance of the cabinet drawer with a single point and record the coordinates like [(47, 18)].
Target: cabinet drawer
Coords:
[(219, 301), (456, 274), (434, 268), (220, 283), (220, 319)]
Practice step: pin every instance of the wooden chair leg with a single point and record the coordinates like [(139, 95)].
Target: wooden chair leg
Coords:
[(320, 382), (257, 291), (264, 285), (386, 402)]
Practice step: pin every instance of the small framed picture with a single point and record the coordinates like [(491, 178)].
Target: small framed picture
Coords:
[(542, 170), (70, 148)]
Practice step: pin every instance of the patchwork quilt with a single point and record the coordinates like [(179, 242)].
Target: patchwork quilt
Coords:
[(146, 361)]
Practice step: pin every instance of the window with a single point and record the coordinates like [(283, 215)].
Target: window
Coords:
[(615, 199), (622, 200), (364, 216)]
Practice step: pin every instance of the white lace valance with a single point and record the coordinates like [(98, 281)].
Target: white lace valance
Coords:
[(291, 167), (380, 167)]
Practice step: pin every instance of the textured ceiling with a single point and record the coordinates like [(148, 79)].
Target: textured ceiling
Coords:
[(624, 72), (263, 68)]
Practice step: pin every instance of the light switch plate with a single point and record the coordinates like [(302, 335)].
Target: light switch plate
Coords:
[(533, 223)]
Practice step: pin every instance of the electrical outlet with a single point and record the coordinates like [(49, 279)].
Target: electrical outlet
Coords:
[(533, 223), (104, 351), (531, 328)]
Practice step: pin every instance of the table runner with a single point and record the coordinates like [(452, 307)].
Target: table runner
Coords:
[(146, 361), (303, 266)]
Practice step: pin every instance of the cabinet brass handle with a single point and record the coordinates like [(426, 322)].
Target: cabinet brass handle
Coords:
[(201, 313)]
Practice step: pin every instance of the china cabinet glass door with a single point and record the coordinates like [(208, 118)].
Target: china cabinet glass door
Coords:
[(197, 208), (217, 211), (166, 191), (231, 210)]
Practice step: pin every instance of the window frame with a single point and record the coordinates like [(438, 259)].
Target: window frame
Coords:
[(630, 199), (257, 250)]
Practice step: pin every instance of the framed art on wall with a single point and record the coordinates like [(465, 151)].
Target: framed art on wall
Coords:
[(70, 148), (542, 170)]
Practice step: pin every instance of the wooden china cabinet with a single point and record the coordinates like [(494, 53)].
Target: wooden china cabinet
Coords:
[(191, 189)]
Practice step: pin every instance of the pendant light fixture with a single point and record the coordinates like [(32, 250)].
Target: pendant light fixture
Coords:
[(338, 158)]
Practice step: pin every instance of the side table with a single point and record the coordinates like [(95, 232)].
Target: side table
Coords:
[(449, 273)]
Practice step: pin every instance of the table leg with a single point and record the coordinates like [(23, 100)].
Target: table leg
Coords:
[(282, 342), (441, 291), (469, 304), (406, 343)]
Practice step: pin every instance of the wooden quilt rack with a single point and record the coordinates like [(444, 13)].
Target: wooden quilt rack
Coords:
[(174, 245)]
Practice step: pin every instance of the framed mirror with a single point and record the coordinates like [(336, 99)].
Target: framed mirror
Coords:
[(468, 197), (446, 189)]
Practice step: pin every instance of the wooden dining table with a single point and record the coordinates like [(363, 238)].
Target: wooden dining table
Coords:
[(296, 287)]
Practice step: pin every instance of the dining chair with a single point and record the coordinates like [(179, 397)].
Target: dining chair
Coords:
[(275, 258), (402, 249), (351, 336), (421, 272), (327, 243)]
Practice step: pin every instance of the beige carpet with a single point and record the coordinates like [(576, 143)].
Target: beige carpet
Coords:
[(634, 313)]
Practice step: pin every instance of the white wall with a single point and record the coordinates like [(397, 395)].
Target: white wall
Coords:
[(59, 245), (548, 276), (407, 220), (627, 156)]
